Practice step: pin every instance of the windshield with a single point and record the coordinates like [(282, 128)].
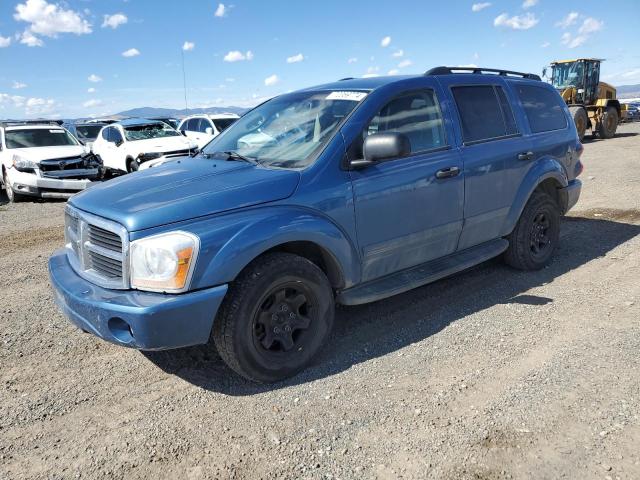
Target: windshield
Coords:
[(88, 132), (287, 131), (568, 75), (148, 131), (38, 137), (223, 123)]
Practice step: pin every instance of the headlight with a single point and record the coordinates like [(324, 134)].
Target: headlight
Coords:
[(22, 164), (163, 263)]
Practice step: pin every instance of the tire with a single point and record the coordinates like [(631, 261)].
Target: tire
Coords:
[(535, 237), (10, 194), (132, 165), (608, 123), (580, 119), (275, 318)]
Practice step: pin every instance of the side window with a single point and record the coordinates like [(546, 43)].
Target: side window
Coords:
[(543, 107), (105, 134), (203, 124), (416, 115), (191, 125), (485, 113), (115, 135)]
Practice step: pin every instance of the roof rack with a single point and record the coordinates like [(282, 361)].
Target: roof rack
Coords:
[(19, 123), (504, 73), (345, 78)]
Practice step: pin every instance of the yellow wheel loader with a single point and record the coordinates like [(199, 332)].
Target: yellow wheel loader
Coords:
[(592, 103)]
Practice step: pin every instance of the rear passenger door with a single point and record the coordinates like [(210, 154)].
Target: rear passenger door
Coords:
[(491, 145), (406, 212)]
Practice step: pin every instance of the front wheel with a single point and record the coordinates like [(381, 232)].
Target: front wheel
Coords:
[(581, 119), (275, 318), (11, 195), (535, 237), (608, 123)]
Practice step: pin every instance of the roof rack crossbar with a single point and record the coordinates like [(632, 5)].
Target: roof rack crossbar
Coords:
[(19, 123), (504, 73)]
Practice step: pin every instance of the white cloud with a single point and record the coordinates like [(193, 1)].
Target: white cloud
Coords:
[(132, 52), (352, 60), (230, 79), (405, 63), (295, 58), (272, 80), (50, 19), (569, 20), (385, 42), (221, 10), (546, 45), (517, 22), (19, 85), (91, 90), (94, 78), (476, 7), (30, 40), (188, 46), (398, 53), (5, 41), (114, 21), (32, 106), (589, 25), (92, 103), (238, 56), (529, 3), (393, 71), (370, 75)]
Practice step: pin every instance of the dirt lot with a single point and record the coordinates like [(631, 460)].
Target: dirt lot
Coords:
[(492, 374)]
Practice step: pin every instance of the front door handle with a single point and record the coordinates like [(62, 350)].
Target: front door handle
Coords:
[(525, 156), (448, 172)]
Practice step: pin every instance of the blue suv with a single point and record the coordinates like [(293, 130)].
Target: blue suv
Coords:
[(345, 193)]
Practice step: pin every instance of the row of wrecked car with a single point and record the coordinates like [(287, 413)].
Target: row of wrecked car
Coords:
[(52, 159)]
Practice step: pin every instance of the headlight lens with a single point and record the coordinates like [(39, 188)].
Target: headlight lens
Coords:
[(163, 263), (22, 164)]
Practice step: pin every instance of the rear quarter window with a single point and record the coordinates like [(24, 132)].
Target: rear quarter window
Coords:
[(485, 113), (544, 108)]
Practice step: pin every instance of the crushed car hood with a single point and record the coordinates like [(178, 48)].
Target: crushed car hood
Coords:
[(166, 144), (49, 153), (184, 189)]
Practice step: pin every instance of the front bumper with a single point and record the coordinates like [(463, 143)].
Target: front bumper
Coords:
[(38, 186), (142, 320), (572, 192)]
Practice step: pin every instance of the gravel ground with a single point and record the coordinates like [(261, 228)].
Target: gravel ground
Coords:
[(491, 374)]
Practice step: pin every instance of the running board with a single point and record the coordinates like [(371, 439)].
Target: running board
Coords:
[(417, 276)]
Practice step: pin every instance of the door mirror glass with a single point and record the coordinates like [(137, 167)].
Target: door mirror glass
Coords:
[(384, 146)]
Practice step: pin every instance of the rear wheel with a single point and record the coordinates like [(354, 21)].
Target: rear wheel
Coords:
[(275, 318), (534, 240), (608, 123), (581, 120)]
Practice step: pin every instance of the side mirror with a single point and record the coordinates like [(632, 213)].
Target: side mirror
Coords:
[(383, 146), (208, 131), (183, 132), (119, 142)]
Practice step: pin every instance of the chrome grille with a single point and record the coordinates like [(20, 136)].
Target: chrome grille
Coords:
[(97, 249)]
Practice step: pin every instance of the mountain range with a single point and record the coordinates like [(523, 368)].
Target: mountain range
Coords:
[(149, 112)]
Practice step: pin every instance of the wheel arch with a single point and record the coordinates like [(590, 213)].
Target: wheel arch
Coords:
[(547, 175)]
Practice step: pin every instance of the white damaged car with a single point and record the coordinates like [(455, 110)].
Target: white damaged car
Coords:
[(42, 159), (138, 143)]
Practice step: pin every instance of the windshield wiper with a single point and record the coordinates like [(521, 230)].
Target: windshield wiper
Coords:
[(233, 155)]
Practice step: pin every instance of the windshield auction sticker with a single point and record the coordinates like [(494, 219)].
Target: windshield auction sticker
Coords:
[(344, 95)]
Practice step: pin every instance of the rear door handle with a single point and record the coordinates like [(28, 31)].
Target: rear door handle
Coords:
[(525, 156), (448, 172)]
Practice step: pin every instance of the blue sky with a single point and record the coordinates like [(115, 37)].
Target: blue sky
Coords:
[(78, 58)]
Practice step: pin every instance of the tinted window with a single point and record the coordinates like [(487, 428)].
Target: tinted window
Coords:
[(509, 121), (416, 115), (105, 134), (203, 124), (222, 123), (115, 135), (543, 108), (481, 115), (191, 125)]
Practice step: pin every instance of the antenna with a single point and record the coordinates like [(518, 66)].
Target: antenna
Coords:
[(184, 84)]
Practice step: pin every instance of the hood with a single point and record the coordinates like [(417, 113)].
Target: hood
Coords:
[(184, 189), (49, 153), (166, 144)]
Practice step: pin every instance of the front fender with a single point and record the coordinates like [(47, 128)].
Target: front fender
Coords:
[(231, 242), (543, 169)]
